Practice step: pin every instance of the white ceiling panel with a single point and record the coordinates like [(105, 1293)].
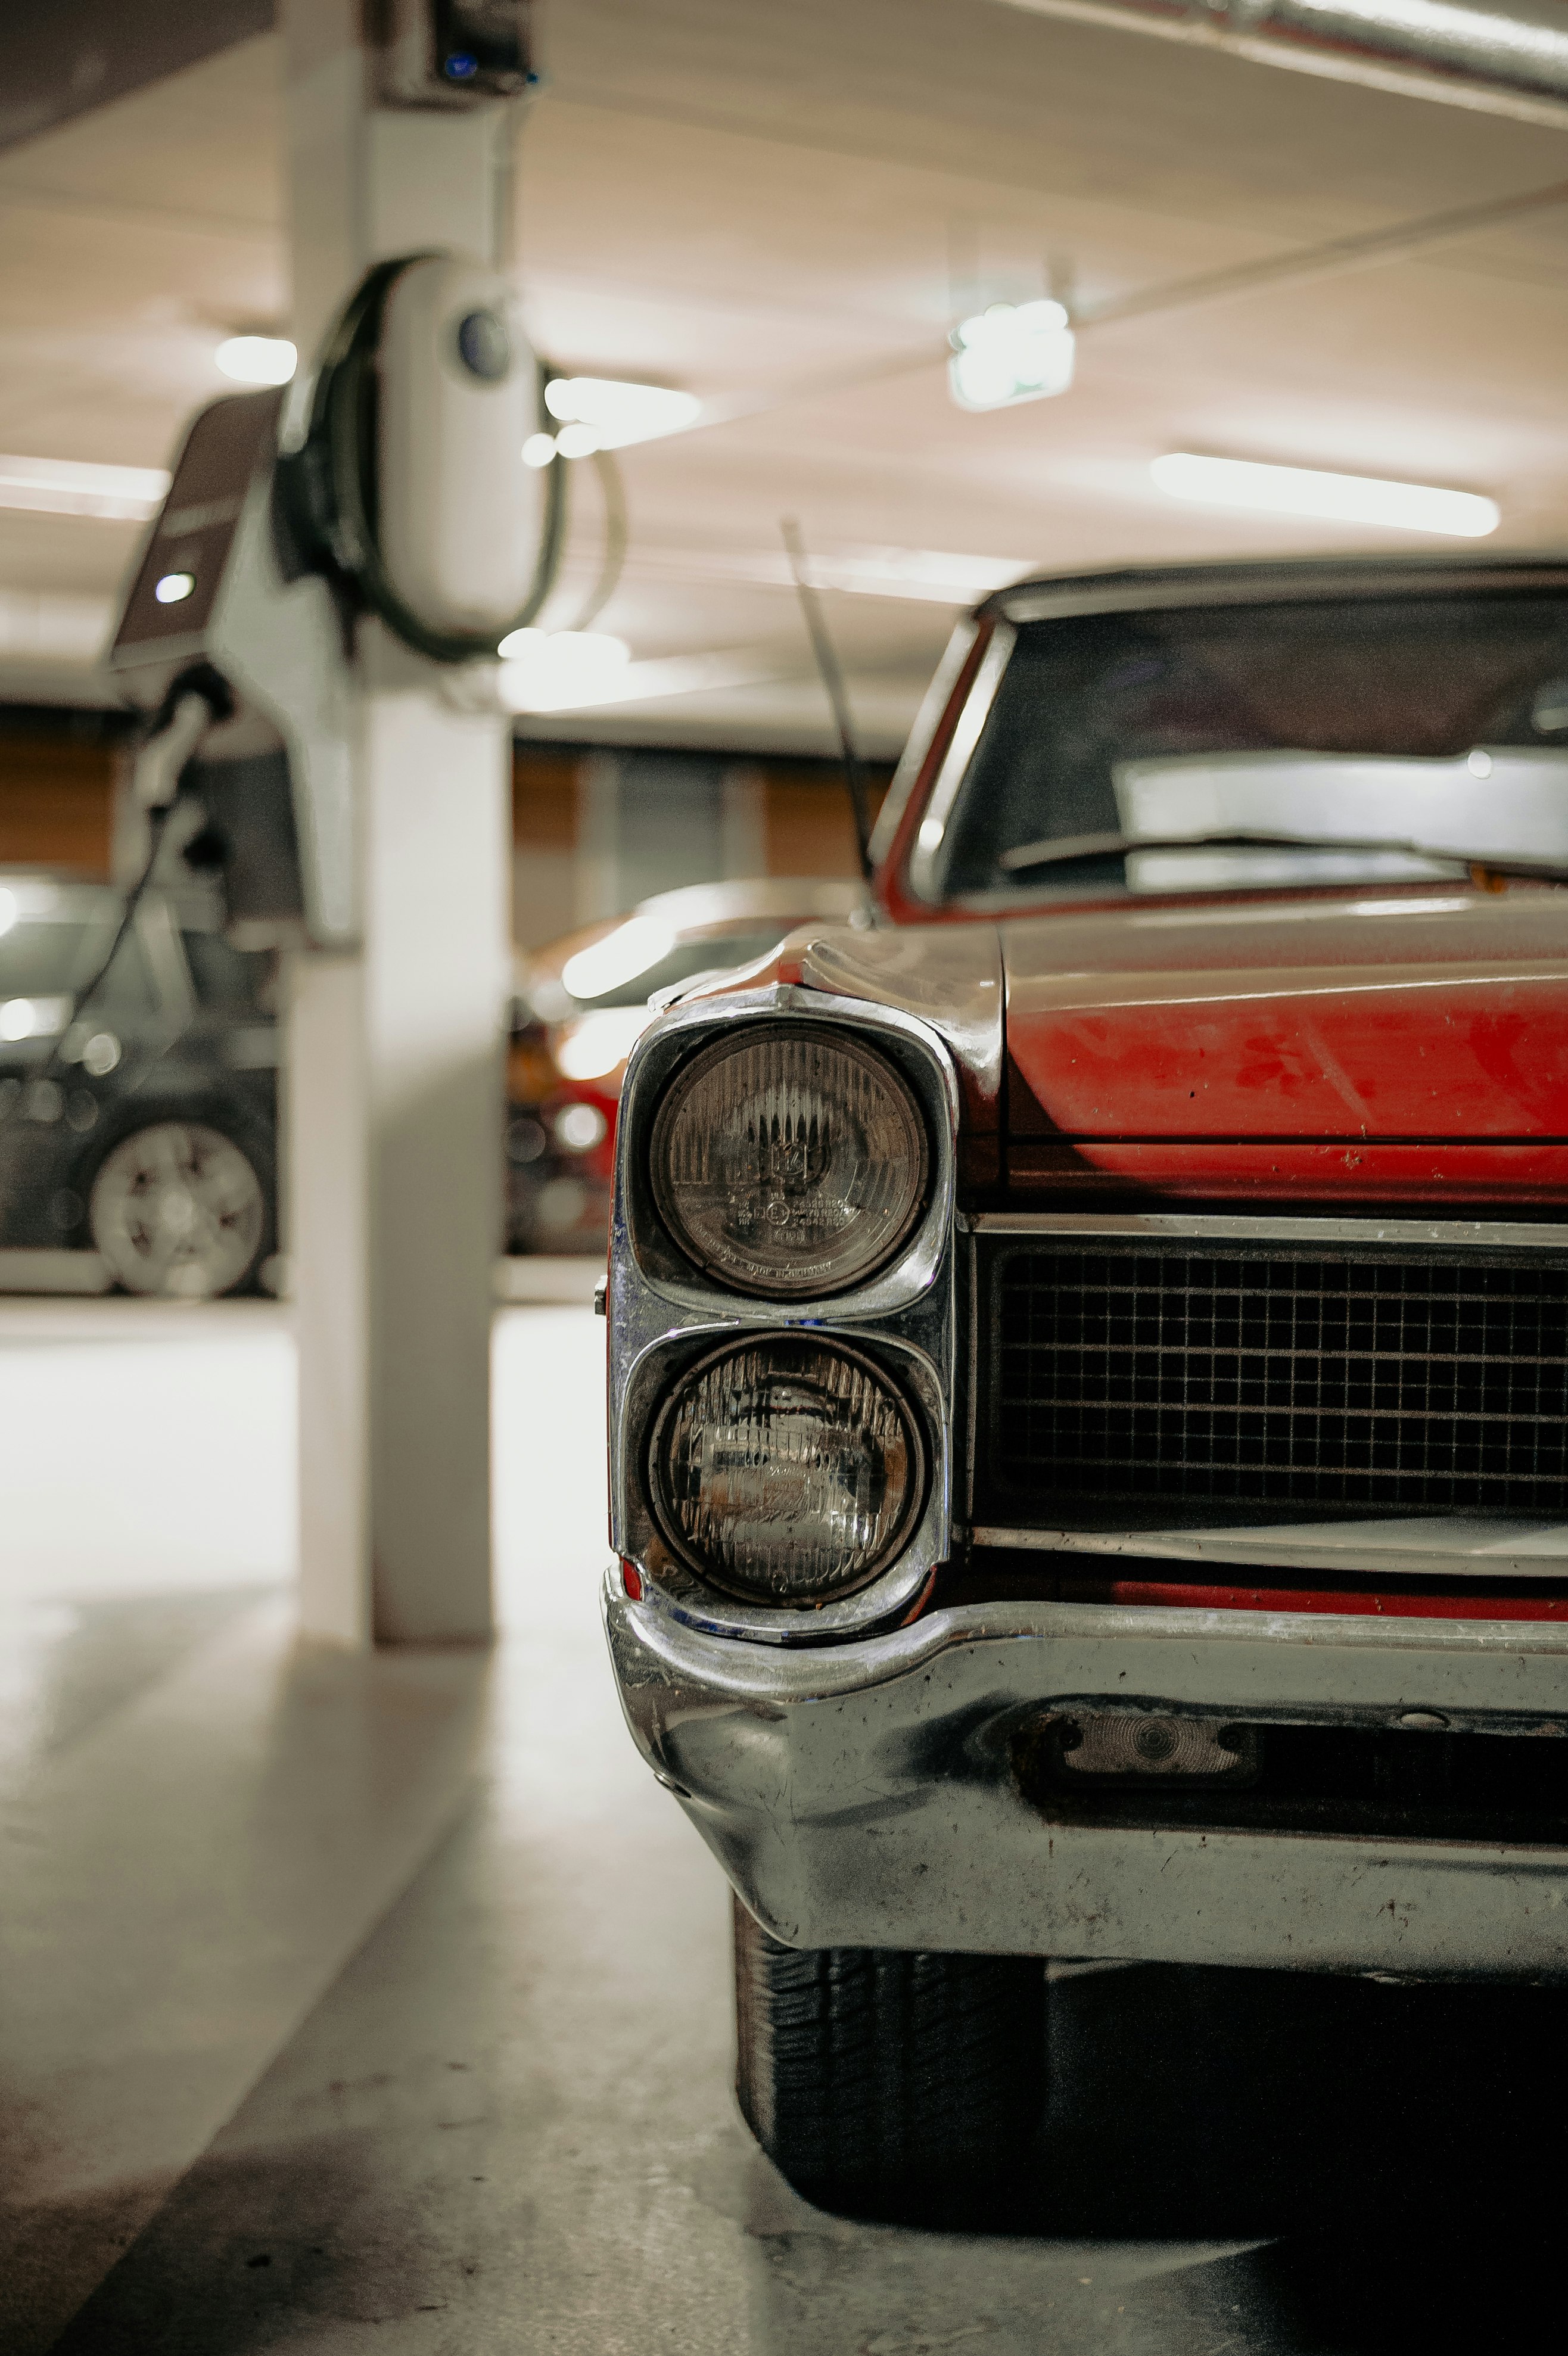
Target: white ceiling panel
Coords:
[(783, 210)]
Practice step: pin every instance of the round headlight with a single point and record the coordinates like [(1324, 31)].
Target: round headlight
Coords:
[(790, 1162), (787, 1470)]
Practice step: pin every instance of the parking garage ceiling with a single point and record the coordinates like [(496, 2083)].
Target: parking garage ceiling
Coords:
[(784, 211)]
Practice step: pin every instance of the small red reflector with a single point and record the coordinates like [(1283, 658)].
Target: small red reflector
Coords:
[(631, 1579)]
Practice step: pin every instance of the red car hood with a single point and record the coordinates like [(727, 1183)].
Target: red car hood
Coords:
[(1413, 1046)]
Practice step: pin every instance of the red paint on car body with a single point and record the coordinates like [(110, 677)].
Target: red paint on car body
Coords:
[(1413, 1045), (1395, 1603)]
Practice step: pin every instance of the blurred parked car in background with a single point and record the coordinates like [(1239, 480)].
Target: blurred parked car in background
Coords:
[(581, 1005), (139, 1122)]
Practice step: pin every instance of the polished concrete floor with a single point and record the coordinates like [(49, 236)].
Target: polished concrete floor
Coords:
[(384, 2004)]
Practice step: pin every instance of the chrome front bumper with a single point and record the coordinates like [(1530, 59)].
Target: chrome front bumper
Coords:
[(863, 1795)]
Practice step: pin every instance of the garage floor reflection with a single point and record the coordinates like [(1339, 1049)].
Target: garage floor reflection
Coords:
[(502, 2122)]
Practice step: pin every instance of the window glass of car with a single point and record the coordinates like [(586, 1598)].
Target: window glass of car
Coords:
[(1439, 721)]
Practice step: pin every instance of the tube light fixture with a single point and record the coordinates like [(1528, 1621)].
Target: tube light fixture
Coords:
[(604, 414), (257, 359), (1337, 498), (1011, 352), (558, 670), (73, 486)]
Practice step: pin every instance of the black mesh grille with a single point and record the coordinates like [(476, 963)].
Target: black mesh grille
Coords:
[(1314, 1382)]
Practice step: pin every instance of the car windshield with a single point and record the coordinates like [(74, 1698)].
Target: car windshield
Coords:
[(1351, 728)]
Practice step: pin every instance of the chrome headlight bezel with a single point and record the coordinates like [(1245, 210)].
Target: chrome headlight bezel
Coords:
[(898, 1535), (734, 1274), (663, 1316)]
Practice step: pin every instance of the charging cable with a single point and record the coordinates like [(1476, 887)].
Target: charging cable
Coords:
[(188, 712)]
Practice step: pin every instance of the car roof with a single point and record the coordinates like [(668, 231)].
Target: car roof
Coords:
[(1275, 580)]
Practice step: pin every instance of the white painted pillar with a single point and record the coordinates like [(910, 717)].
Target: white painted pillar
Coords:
[(395, 1077)]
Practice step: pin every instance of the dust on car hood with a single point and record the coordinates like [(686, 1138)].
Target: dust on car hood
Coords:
[(1410, 1045)]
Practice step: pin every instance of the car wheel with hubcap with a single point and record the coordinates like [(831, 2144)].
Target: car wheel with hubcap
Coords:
[(891, 2084), (177, 1209)]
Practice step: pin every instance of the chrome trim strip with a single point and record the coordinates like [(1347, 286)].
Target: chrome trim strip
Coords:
[(1302, 583), (966, 735), (1300, 1667), (1163, 1227), (927, 720), (1445, 1546)]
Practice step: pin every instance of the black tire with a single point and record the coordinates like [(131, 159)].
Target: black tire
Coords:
[(892, 2084)]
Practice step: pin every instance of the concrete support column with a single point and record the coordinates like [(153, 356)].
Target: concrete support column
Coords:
[(395, 1077)]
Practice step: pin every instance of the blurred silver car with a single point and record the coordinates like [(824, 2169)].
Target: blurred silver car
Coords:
[(138, 1121)]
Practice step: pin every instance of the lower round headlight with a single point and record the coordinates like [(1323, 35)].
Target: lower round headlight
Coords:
[(787, 1470)]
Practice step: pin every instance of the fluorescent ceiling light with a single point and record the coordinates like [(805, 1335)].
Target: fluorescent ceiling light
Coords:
[(71, 486), (258, 359), (1011, 352), (642, 682), (613, 413), (561, 671), (1338, 498)]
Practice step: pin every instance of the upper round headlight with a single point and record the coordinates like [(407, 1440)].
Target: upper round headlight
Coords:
[(786, 1471), (790, 1161)]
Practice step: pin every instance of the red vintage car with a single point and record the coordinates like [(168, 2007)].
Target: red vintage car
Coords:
[(1090, 1356)]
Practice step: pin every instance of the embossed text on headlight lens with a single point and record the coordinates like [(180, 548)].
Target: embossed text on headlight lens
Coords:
[(790, 1162), (786, 1471)]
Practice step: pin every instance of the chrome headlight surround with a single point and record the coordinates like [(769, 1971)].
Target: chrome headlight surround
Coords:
[(665, 1317)]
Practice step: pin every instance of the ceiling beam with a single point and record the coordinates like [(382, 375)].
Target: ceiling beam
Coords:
[(65, 57)]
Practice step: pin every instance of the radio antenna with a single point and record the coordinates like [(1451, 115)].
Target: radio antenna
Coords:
[(832, 681)]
